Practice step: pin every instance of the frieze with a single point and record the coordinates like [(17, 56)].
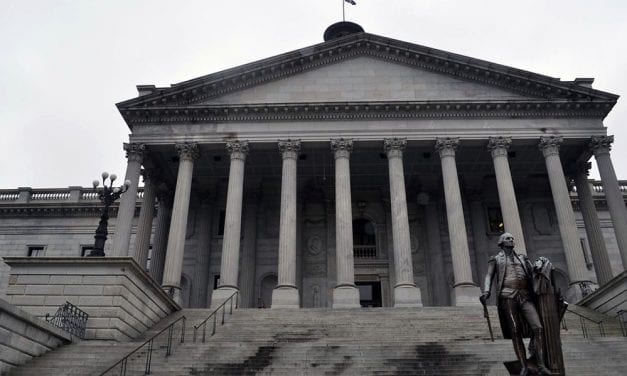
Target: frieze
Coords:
[(302, 60), (444, 109), (34, 211)]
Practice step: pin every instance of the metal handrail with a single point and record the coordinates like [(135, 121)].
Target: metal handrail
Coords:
[(584, 328), (213, 314), (170, 328)]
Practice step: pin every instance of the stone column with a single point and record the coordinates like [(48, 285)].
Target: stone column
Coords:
[(200, 279), (124, 222), (162, 227), (565, 216), (435, 269), (229, 267), (249, 252), (286, 295), (479, 231), (345, 293), (466, 292), (600, 257), (406, 294), (173, 268), (144, 223), (601, 146), (498, 147)]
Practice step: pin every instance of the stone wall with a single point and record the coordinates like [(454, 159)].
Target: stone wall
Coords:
[(122, 300), (23, 336)]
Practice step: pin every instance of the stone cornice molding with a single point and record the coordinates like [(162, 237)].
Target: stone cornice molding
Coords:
[(550, 145), (601, 144), (341, 147), (364, 44), (187, 150), (394, 147), (135, 151), (446, 146), (237, 149), (438, 109), (289, 148), (498, 146)]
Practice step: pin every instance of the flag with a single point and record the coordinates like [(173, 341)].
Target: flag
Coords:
[(351, 2)]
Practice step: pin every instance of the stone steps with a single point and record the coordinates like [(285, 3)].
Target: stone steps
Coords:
[(432, 341)]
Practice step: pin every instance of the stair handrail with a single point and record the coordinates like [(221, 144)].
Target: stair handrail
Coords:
[(213, 314), (122, 362), (582, 320)]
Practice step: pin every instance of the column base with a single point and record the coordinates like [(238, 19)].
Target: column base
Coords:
[(407, 296), (466, 295), (285, 297), (346, 296), (173, 292), (221, 294)]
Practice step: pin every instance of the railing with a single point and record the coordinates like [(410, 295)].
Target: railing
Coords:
[(69, 318), (621, 320), (365, 251), (215, 316), (149, 345), (71, 194), (584, 329)]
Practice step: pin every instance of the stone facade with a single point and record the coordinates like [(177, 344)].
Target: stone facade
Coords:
[(410, 162)]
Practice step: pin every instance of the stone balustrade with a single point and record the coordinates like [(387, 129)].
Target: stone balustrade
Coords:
[(70, 194)]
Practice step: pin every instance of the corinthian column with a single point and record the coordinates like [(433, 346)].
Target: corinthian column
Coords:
[(565, 216), (232, 224), (162, 227), (498, 147), (124, 222), (188, 152), (144, 223), (285, 295), (466, 292), (345, 294), (406, 294), (200, 279), (601, 146), (600, 258)]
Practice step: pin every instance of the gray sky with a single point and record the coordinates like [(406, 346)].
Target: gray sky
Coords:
[(64, 64)]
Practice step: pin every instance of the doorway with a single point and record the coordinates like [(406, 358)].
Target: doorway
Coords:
[(369, 294), (267, 286)]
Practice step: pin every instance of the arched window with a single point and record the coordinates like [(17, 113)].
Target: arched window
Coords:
[(364, 239)]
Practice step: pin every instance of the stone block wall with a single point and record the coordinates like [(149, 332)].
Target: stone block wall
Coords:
[(121, 299), (23, 337)]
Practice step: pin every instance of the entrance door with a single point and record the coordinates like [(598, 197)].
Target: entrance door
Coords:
[(267, 286), (369, 294)]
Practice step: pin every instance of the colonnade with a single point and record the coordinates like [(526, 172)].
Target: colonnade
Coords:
[(346, 294)]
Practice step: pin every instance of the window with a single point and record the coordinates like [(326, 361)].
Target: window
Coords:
[(86, 250), (364, 239), (586, 252), (216, 281), (149, 259), (495, 220), (36, 250), (221, 222)]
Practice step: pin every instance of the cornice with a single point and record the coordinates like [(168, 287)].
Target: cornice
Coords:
[(366, 110), (363, 44)]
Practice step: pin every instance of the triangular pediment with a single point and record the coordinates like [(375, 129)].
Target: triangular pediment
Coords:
[(368, 68)]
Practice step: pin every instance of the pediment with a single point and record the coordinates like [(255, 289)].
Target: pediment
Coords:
[(365, 78), (364, 71)]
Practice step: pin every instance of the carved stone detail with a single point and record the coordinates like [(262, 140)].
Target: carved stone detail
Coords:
[(342, 147), (187, 150), (237, 149), (135, 151), (601, 144), (550, 144), (446, 146), (394, 147), (314, 245), (498, 146), (289, 148)]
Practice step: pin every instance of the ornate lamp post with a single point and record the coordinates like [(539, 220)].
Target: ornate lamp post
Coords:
[(108, 196)]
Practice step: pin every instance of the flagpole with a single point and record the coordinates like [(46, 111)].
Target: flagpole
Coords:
[(343, 11)]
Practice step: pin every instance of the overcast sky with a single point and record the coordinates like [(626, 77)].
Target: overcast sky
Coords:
[(64, 64)]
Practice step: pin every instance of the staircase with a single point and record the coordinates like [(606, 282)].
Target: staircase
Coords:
[(378, 341)]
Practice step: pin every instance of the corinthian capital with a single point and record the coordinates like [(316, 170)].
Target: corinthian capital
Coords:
[(498, 146), (342, 146), (187, 150), (237, 149), (601, 144), (135, 151), (550, 145), (394, 147), (446, 146), (289, 148)]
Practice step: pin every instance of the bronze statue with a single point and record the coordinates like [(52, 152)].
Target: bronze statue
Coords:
[(519, 285)]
